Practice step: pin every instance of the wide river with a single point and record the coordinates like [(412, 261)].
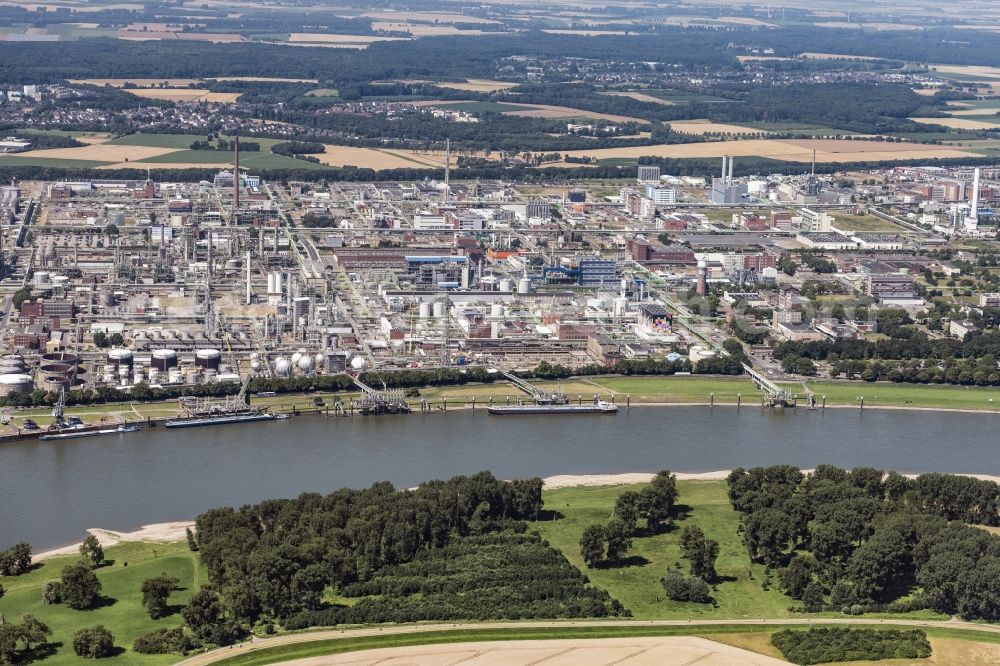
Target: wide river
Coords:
[(50, 492)]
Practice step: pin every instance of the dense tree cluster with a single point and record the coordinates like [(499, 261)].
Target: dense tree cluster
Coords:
[(869, 539), (93, 642), (16, 560), (394, 550), (155, 593), (164, 641), (821, 645), (607, 545), (291, 148), (685, 588)]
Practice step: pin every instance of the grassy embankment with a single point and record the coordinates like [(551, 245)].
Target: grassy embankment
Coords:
[(640, 390), (120, 608)]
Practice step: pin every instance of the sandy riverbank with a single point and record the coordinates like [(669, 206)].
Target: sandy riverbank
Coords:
[(156, 533)]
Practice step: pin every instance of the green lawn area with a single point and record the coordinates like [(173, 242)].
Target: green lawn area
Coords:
[(323, 92), (904, 395), (122, 612), (638, 587), (617, 161), (681, 389)]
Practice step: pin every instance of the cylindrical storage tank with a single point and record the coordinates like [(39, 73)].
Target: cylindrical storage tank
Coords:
[(209, 375), (496, 310), (207, 358), (119, 357), (278, 283), (164, 359), (192, 375), (109, 373), (524, 286), (54, 382), (15, 383), (295, 358), (255, 365), (488, 283), (282, 366), (42, 278), (621, 305), (506, 284), (11, 367), (174, 376), (68, 358), (425, 310), (60, 280), (358, 363), (270, 283), (438, 309), (153, 374)]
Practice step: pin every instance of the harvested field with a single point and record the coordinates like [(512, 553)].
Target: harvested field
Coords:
[(101, 152), (422, 29), (835, 56), (377, 159), (585, 33), (958, 123), (642, 97), (346, 40), (701, 127), (660, 651), (276, 79), (185, 95), (426, 17), (868, 26), (550, 111), (793, 150), (152, 35), (472, 85), (751, 58), (969, 70)]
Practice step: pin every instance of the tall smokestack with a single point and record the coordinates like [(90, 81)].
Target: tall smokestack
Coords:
[(725, 162), (730, 171), (974, 212), (236, 176), (249, 295), (447, 168)]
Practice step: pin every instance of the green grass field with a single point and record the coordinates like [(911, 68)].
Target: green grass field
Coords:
[(904, 395), (681, 96), (638, 586), (121, 610), (850, 222)]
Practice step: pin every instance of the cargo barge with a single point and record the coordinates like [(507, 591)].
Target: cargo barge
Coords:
[(221, 419), (597, 407), (74, 433)]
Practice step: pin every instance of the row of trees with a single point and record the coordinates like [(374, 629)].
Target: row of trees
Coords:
[(868, 539)]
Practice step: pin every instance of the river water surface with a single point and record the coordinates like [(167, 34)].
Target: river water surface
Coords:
[(50, 492)]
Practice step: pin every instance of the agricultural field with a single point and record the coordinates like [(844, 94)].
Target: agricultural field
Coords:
[(484, 107), (185, 95), (703, 127), (342, 41), (960, 123)]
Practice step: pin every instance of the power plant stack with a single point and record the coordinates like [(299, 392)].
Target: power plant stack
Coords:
[(702, 287), (972, 221), (236, 177)]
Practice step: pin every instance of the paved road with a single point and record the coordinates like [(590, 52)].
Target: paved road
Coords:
[(291, 639)]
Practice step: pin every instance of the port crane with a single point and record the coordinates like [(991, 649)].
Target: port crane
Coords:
[(234, 404), (386, 401), (539, 396)]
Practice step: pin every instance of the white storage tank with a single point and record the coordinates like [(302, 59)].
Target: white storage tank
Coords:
[(207, 358), (496, 310), (42, 278), (524, 286), (438, 310), (306, 364), (425, 310), (506, 284), (282, 366), (15, 383), (358, 363), (120, 357), (174, 376), (153, 374), (109, 374), (164, 359)]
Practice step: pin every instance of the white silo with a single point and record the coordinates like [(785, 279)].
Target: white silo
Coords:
[(306, 364), (496, 310), (358, 363), (438, 309), (282, 366), (524, 286), (506, 284), (425, 310)]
